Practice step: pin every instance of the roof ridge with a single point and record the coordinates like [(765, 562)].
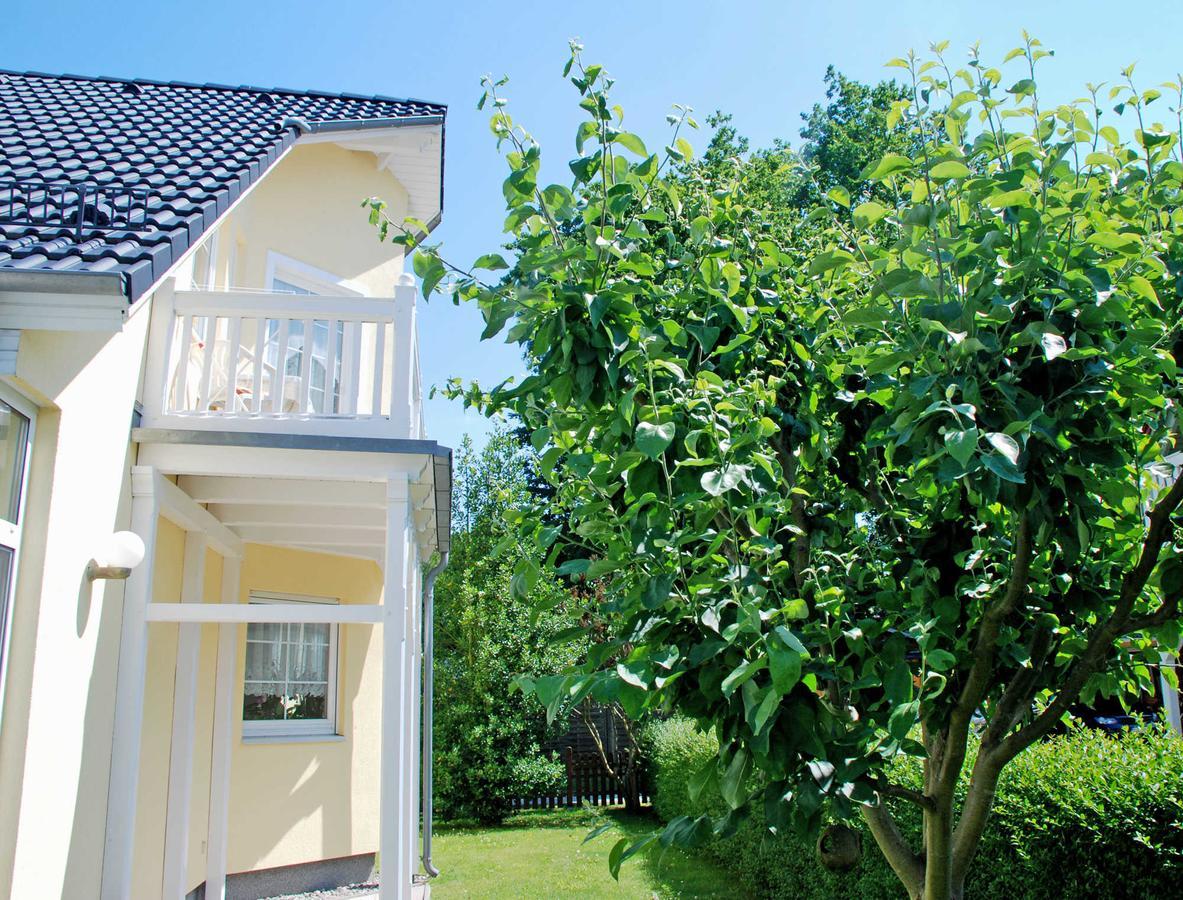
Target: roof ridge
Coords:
[(213, 86)]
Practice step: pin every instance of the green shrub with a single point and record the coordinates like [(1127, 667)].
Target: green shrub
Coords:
[(1085, 815), (488, 738)]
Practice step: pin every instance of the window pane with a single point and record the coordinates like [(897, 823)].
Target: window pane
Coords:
[(265, 661), (307, 701), (14, 434), (262, 701), (286, 287), (287, 672)]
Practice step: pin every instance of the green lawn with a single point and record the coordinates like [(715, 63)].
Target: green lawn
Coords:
[(542, 855)]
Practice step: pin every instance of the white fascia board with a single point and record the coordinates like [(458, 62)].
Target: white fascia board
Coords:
[(54, 301)]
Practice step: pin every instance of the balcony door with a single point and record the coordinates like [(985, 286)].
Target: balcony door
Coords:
[(288, 276)]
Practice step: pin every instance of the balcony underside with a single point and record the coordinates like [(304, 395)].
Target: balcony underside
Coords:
[(305, 491)]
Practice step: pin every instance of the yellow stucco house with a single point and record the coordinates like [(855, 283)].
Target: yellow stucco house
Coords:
[(218, 503)]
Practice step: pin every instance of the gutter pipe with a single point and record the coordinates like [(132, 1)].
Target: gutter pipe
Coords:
[(428, 743)]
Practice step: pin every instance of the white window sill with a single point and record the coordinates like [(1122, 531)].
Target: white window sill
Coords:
[(292, 738)]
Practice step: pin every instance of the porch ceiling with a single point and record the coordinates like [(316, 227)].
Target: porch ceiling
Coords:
[(315, 498)]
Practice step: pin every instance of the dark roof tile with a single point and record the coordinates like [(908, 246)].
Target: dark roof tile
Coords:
[(194, 148)]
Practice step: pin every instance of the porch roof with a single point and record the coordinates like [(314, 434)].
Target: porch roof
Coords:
[(291, 460), (159, 161)]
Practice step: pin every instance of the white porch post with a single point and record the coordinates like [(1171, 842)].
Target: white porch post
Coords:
[(402, 372), (1170, 696), (180, 767), (224, 706), (129, 693), (395, 882)]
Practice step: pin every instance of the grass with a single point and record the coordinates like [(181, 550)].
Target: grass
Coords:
[(541, 855)]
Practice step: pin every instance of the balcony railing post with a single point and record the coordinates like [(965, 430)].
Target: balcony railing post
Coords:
[(161, 336), (402, 376)]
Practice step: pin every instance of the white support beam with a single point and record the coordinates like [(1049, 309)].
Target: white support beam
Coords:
[(267, 613), (180, 765), (310, 532), (234, 515), (184, 512), (284, 492), (225, 704), (129, 695), (395, 880)]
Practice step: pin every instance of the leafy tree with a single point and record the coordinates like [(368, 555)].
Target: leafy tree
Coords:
[(839, 140), (488, 741), (849, 488)]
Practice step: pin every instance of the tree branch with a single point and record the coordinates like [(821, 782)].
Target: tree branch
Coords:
[(907, 865), (1104, 634), (888, 789), (985, 655)]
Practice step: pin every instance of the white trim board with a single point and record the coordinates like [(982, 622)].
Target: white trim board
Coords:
[(267, 613)]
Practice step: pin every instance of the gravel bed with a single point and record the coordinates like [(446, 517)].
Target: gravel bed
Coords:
[(368, 889)]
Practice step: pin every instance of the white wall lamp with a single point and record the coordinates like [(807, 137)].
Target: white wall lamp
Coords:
[(122, 552)]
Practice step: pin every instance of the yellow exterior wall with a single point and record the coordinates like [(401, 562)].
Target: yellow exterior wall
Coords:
[(289, 802), (297, 802), (308, 208), (55, 744)]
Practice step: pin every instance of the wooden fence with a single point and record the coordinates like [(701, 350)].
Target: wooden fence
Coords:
[(588, 781)]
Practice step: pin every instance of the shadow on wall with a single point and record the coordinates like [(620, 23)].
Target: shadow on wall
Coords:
[(84, 860)]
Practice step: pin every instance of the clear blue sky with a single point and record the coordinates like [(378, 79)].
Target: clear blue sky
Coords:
[(761, 61)]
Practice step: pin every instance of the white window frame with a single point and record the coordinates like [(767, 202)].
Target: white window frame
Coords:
[(10, 532), (301, 274), (297, 729)]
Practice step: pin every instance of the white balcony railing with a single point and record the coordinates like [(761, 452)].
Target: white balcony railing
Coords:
[(293, 363)]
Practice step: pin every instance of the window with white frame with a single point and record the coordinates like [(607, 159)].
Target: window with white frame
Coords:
[(16, 431), (290, 683)]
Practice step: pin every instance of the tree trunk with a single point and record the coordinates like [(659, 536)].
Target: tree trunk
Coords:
[(938, 851)]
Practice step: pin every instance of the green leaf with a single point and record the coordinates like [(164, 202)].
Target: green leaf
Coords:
[(731, 784), (950, 169), (898, 683), (769, 705), (1003, 468), (785, 654), (652, 438), (1004, 444), (962, 444), (719, 481), (1023, 88), (741, 673), (1018, 197), (496, 315), (632, 142), (840, 196), (940, 660), (491, 261), (902, 719), (596, 832), (867, 214), (891, 164), (616, 857), (704, 777)]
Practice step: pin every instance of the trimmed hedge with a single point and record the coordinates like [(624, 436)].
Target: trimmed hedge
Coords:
[(1085, 815)]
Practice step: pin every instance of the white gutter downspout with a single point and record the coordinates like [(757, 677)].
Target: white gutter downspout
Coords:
[(428, 711)]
